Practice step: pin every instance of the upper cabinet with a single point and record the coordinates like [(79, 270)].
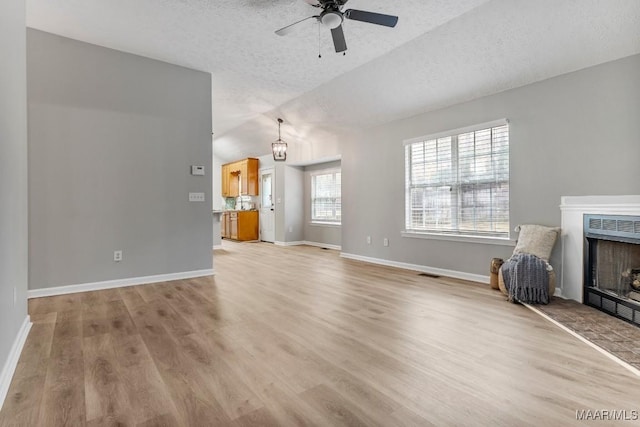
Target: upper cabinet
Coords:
[(249, 177), (240, 178), (225, 181)]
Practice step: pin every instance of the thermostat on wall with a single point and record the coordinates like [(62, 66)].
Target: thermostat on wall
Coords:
[(197, 170)]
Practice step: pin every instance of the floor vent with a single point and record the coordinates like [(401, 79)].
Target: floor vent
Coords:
[(433, 276)]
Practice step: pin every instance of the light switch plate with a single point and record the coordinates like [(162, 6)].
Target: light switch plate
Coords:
[(196, 197)]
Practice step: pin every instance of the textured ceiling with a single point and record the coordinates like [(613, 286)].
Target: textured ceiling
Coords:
[(442, 52)]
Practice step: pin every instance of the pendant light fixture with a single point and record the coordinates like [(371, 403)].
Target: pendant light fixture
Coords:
[(279, 148)]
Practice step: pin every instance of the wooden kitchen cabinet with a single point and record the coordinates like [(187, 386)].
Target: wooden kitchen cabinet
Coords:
[(240, 178), (247, 225), (234, 182), (224, 182), (249, 177), (242, 167), (233, 225), (224, 225), (239, 225)]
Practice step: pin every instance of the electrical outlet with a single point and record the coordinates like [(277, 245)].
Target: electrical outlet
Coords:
[(368, 240), (385, 242), (196, 197), (117, 256), (290, 229)]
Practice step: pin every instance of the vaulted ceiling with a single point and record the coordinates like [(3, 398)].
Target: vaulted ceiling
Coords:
[(442, 52)]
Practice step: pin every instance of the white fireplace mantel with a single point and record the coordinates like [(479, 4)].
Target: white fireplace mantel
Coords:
[(573, 209)]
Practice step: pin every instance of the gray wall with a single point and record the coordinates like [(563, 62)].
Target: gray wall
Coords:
[(13, 174), (289, 193), (575, 134), (294, 203), (289, 210), (292, 196), (111, 139), (217, 200), (319, 233), (279, 190)]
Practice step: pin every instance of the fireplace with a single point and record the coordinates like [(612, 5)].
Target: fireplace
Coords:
[(612, 265)]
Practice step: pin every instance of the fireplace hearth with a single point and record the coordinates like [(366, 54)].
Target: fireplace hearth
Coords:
[(612, 265)]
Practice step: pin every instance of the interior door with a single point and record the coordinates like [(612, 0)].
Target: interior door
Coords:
[(267, 206)]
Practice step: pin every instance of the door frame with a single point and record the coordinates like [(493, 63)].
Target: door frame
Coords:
[(264, 171)]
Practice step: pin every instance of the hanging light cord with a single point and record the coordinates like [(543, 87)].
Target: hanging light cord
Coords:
[(319, 54)]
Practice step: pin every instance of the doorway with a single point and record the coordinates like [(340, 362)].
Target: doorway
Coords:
[(267, 206)]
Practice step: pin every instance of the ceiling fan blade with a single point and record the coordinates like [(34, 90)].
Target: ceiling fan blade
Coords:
[(286, 30), (315, 3), (371, 17), (338, 39)]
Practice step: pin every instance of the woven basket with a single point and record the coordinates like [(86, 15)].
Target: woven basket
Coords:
[(496, 263)]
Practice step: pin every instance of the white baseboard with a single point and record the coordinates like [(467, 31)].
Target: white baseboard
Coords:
[(217, 247), (422, 268), (296, 243), (322, 245), (9, 368), (118, 283), (306, 242)]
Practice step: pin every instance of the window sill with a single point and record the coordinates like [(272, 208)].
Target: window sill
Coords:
[(456, 238), (325, 224)]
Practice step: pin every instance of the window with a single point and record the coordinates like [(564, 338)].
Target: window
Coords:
[(326, 197), (458, 182)]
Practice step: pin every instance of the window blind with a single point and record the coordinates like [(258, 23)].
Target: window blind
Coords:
[(326, 197), (459, 184)]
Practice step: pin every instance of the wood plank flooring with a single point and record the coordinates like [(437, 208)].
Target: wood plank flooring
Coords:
[(292, 336)]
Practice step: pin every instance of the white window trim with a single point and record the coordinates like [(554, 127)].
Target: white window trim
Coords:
[(505, 241), (325, 224), (318, 222), (325, 171), (466, 129), (488, 240)]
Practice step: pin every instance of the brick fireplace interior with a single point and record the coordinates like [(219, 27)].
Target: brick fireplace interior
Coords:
[(612, 265)]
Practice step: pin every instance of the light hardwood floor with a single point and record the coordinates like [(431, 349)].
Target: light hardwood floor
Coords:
[(299, 336)]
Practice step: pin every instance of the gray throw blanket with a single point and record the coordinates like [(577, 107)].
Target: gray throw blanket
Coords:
[(526, 279)]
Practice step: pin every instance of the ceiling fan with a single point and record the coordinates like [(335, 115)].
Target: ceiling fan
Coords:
[(332, 17)]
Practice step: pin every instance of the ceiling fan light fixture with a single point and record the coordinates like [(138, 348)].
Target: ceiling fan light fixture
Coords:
[(331, 19)]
